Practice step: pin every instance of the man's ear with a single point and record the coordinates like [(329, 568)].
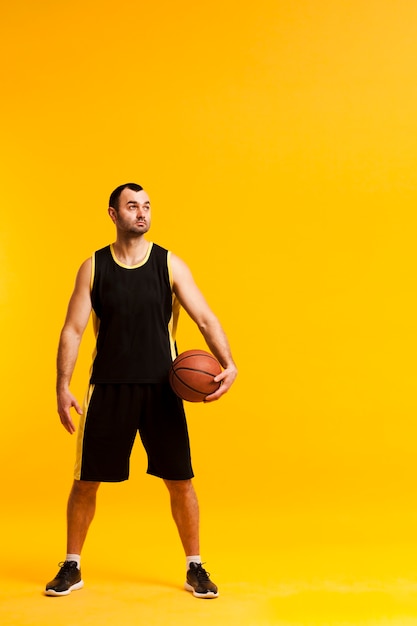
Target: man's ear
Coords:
[(113, 214)]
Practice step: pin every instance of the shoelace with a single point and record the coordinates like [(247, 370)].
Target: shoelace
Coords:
[(66, 566), (201, 573)]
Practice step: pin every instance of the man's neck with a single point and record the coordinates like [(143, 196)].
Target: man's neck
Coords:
[(131, 251)]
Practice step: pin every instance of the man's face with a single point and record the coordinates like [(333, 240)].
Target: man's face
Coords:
[(134, 213)]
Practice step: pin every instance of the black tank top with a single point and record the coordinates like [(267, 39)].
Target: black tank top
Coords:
[(135, 316)]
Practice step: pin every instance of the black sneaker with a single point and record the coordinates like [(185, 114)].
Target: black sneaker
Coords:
[(198, 581), (68, 579)]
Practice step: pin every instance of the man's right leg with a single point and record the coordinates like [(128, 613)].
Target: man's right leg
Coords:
[(80, 514)]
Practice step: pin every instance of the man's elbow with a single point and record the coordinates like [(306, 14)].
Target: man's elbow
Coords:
[(207, 323)]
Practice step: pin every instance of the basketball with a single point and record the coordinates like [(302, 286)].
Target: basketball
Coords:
[(191, 375)]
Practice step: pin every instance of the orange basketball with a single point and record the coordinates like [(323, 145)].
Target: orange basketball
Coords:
[(192, 373)]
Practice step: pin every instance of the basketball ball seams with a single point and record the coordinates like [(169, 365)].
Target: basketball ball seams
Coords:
[(192, 369), (192, 375), (181, 382), (176, 378), (187, 355)]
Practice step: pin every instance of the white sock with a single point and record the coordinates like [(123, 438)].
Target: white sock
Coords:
[(74, 557), (192, 559)]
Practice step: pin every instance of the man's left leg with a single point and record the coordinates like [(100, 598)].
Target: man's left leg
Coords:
[(185, 511)]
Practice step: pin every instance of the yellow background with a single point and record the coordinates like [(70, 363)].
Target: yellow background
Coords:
[(278, 143)]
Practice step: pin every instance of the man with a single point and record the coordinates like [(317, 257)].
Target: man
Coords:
[(134, 290)]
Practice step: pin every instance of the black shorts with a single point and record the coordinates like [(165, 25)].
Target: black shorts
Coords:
[(113, 414)]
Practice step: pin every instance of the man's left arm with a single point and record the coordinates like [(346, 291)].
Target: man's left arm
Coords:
[(193, 301)]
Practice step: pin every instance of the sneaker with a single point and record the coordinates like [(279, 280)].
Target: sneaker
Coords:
[(198, 581), (68, 579)]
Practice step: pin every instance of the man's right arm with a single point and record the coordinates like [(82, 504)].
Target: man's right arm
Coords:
[(78, 314)]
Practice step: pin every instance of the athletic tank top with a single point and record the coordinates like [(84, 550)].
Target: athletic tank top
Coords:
[(135, 317)]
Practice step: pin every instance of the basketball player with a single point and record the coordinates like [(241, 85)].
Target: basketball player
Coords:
[(134, 289)]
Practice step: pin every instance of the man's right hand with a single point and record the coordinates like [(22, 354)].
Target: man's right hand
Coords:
[(65, 403)]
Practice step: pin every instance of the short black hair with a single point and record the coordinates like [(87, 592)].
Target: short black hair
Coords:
[(115, 195)]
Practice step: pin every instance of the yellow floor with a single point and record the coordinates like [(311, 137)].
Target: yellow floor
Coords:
[(281, 568)]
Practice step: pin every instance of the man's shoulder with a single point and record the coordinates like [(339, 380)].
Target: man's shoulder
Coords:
[(159, 251), (156, 246), (103, 251)]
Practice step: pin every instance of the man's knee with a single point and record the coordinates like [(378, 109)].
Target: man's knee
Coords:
[(179, 487), (84, 488)]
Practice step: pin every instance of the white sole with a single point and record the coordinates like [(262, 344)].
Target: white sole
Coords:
[(52, 592)]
